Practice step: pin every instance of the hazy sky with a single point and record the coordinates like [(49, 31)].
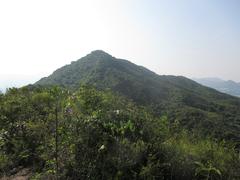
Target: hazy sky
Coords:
[(194, 38)]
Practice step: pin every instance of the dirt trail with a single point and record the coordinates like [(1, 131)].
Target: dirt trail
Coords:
[(23, 174)]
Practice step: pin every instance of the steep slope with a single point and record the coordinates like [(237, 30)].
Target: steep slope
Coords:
[(229, 87), (184, 101)]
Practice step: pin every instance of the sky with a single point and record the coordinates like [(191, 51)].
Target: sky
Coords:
[(193, 38)]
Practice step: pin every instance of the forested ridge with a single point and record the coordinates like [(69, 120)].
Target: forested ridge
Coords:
[(106, 118), (193, 106), (91, 134)]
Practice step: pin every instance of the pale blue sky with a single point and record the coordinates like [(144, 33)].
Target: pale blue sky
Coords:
[(194, 38)]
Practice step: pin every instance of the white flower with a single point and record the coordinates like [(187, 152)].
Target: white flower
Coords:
[(101, 148)]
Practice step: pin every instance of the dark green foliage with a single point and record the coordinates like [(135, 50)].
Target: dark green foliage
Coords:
[(134, 124), (90, 134), (194, 106)]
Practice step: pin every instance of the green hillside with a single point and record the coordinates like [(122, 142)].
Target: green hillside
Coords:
[(107, 118), (184, 101), (52, 133)]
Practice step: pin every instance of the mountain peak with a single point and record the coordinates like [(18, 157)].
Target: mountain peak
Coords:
[(99, 53), (190, 103)]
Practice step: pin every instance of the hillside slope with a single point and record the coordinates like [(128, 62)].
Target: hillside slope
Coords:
[(184, 101)]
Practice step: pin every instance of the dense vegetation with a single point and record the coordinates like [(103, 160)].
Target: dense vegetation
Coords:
[(107, 118), (91, 134), (193, 106)]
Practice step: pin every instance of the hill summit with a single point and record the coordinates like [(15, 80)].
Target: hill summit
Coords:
[(183, 100)]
